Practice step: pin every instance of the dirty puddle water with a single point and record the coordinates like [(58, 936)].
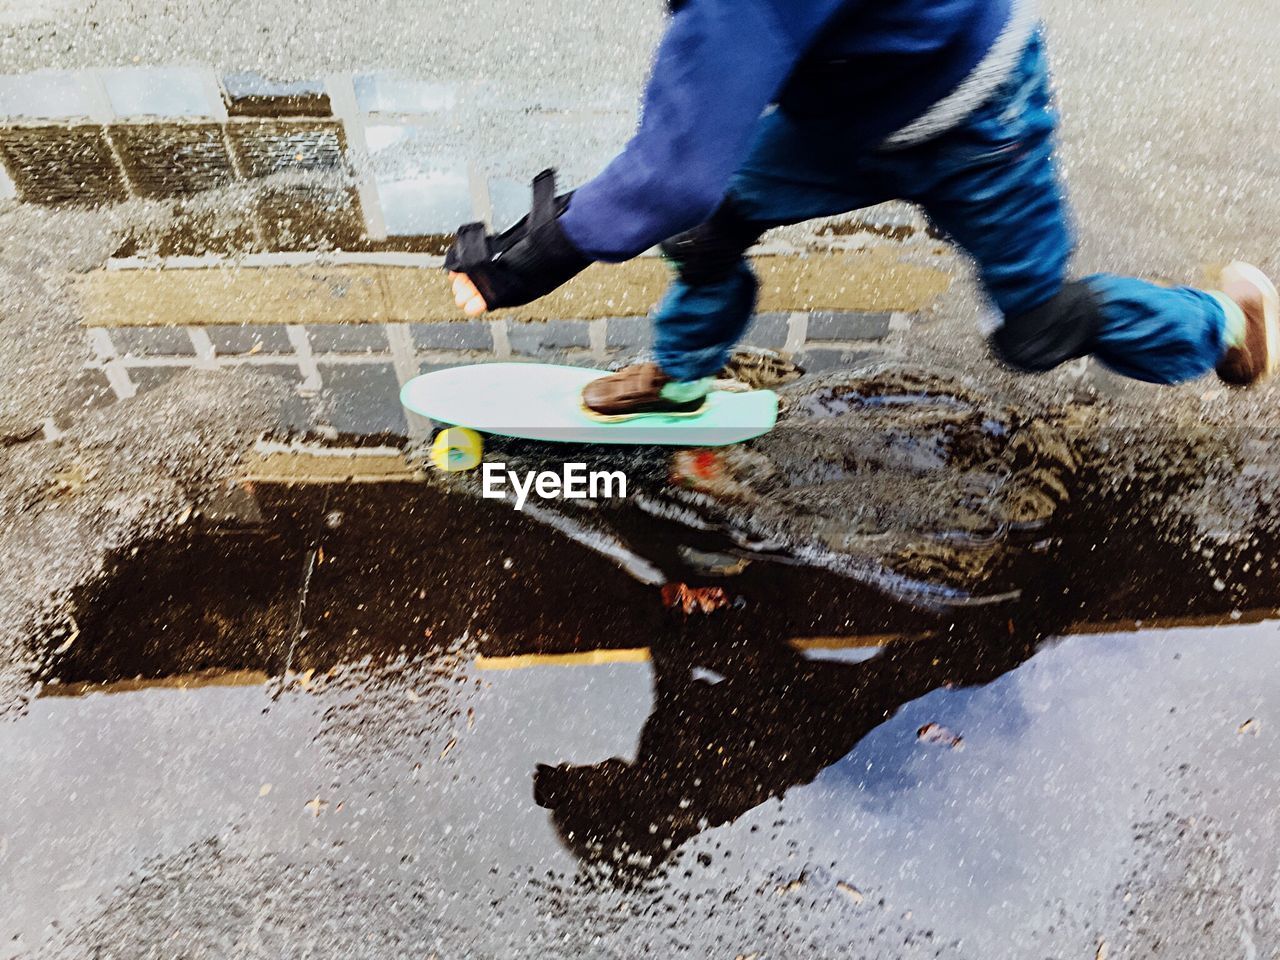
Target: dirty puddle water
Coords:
[(356, 724)]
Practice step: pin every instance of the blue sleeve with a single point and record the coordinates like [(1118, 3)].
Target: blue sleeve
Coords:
[(719, 65)]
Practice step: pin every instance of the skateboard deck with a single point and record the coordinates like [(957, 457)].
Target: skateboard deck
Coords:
[(542, 401)]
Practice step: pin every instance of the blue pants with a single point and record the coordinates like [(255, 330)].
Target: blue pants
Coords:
[(989, 183)]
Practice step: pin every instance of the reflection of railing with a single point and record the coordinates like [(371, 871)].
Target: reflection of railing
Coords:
[(361, 366)]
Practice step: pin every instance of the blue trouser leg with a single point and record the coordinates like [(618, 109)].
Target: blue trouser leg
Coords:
[(992, 185), (792, 174), (1157, 334), (696, 326)]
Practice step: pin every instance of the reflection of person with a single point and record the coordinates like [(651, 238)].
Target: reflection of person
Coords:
[(941, 102), (709, 752)]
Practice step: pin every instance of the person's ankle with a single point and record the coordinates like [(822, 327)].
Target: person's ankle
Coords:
[(683, 391), (1233, 303)]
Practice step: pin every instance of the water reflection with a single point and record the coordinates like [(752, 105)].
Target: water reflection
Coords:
[(392, 93), (729, 769), (162, 92), (46, 95), (732, 730)]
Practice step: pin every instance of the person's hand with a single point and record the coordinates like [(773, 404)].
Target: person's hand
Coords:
[(527, 261), (466, 296)]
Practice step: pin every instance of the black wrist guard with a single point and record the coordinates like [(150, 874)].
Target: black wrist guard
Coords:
[(710, 251), (525, 262)]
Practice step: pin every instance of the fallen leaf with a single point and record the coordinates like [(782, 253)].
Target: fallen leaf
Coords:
[(264, 789), (1249, 726), (850, 891), (316, 805), (937, 733), (453, 742), (791, 887), (1102, 951), (72, 480), (471, 718), (680, 596)]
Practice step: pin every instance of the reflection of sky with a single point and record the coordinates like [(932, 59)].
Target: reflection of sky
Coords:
[(1061, 758), (436, 202), (420, 191), (1058, 760), (385, 136), (96, 786), (159, 92), (390, 93), (44, 95)]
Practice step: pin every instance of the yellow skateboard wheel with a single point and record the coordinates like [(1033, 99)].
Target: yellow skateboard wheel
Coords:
[(457, 448)]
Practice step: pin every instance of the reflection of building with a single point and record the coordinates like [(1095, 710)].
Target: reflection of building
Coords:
[(310, 216), (401, 565), (97, 136), (365, 161)]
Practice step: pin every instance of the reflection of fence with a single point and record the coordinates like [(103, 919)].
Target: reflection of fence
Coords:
[(360, 366)]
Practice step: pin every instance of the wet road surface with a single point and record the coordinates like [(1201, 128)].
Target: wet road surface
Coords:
[(270, 739), (383, 722)]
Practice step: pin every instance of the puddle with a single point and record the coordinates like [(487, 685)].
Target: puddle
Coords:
[(46, 95), (783, 703), (389, 93), (161, 92), (382, 719)]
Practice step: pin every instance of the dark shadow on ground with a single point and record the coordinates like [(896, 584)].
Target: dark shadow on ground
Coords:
[(320, 577)]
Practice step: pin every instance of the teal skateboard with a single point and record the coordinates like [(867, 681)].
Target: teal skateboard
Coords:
[(541, 401)]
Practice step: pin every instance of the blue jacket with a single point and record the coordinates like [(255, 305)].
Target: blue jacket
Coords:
[(875, 65)]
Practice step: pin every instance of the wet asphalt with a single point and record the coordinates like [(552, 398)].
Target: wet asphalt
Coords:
[(381, 758), (1171, 113), (418, 836), (297, 733)]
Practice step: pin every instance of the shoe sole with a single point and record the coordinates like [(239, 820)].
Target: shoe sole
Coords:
[(1270, 308), (620, 417)]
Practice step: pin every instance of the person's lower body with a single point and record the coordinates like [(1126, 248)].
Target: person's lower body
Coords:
[(991, 184)]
